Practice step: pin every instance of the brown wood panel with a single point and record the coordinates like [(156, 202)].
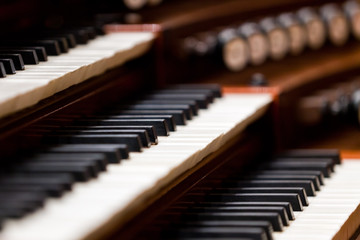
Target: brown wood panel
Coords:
[(345, 137)]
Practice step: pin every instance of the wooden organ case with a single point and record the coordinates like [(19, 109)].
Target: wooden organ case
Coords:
[(287, 70)]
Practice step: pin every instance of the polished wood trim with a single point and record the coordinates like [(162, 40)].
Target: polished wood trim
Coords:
[(274, 91), (350, 154), (154, 28), (349, 227)]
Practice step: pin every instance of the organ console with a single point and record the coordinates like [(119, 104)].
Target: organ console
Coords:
[(179, 126)]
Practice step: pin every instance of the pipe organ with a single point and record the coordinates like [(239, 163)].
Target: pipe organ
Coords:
[(140, 119)]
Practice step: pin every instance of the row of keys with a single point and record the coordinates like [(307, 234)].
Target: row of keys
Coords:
[(78, 151), (26, 88), (275, 37), (249, 204), (16, 53)]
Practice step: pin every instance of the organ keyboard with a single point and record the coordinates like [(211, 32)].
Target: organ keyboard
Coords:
[(36, 82), (234, 209), (125, 187), (332, 213)]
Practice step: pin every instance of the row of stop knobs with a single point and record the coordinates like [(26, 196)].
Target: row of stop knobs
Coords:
[(254, 42)]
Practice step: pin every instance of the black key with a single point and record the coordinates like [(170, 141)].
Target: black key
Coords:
[(334, 154), (81, 35), (193, 105), (16, 58), (286, 205), (216, 232), (40, 51), (207, 223), (97, 159), (202, 100), (15, 209), (207, 92), (292, 198), (179, 115), (274, 218), (33, 194), (306, 184), (235, 209), (2, 70), (91, 31), (297, 190), (149, 129), (69, 37), (8, 65), (300, 191), (22, 196), (131, 140), (63, 179), (81, 171), (168, 118), (23, 206), (21, 188), (167, 107), (62, 42), (215, 88), (29, 56), (144, 137), (318, 174), (113, 152), (330, 164), (292, 165), (3, 217), (160, 126), (313, 179), (51, 46), (52, 184), (233, 183)]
